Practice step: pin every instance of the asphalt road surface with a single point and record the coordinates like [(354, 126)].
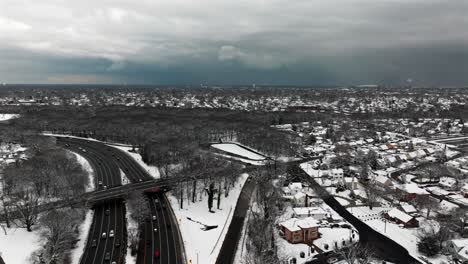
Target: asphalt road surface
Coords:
[(228, 249), (101, 246), (160, 235)]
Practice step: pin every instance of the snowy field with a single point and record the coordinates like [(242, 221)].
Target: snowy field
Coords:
[(206, 243), (5, 117), (17, 246), (238, 150), (84, 230)]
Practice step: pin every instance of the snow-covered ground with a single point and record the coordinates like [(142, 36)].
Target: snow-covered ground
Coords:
[(88, 168), (206, 244), (152, 170), (342, 201), (17, 246), (4, 117), (238, 150), (335, 236), (84, 230)]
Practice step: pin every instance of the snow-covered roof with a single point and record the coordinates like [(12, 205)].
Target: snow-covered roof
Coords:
[(382, 179), (397, 214), (291, 224), (337, 171), (308, 211), (412, 188), (299, 195), (295, 224), (295, 186), (408, 208), (308, 222)]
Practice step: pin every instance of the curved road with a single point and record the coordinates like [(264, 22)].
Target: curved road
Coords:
[(106, 162)]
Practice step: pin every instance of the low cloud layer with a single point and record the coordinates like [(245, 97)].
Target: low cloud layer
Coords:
[(271, 41)]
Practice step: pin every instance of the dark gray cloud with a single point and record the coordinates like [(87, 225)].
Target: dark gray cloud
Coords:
[(246, 41)]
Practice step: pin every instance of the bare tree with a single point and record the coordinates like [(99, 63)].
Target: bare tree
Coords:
[(426, 202), (356, 254), (138, 207), (27, 205), (59, 232)]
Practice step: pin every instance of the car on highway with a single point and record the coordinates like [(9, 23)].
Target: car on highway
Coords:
[(157, 253), (94, 243), (107, 211), (155, 230), (117, 243), (168, 225), (154, 218), (107, 256), (111, 233), (104, 235)]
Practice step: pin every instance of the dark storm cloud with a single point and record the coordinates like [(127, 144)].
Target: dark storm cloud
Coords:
[(276, 41)]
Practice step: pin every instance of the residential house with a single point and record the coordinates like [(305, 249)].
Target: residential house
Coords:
[(408, 209), (402, 218), (297, 230), (351, 183), (459, 249), (409, 191), (317, 213), (383, 182), (336, 174), (300, 199)]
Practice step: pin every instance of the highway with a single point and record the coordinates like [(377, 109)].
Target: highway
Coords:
[(109, 216), (161, 234)]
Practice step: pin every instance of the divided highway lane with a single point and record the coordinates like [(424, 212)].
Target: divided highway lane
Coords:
[(166, 239), (160, 241), (108, 217), (109, 248)]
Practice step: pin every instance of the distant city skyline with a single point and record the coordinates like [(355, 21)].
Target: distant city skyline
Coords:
[(277, 42)]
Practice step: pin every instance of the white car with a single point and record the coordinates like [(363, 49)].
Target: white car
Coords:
[(111, 233)]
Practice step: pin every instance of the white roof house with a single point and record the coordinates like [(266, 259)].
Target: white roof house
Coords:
[(383, 181), (409, 209), (412, 188), (316, 212), (397, 214)]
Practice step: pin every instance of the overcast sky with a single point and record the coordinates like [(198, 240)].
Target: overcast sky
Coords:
[(303, 42)]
